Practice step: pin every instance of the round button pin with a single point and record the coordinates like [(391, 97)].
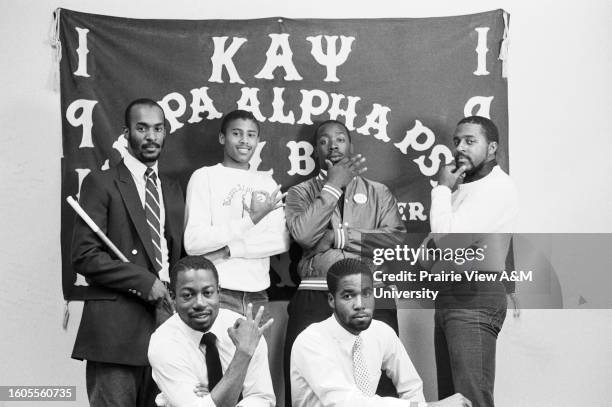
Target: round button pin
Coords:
[(360, 198)]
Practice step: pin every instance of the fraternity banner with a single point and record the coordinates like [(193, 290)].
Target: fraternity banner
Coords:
[(400, 85)]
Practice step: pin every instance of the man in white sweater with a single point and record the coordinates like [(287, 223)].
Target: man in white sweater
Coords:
[(473, 196), (234, 216)]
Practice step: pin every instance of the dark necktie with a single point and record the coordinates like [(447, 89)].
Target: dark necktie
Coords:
[(213, 363), (152, 213)]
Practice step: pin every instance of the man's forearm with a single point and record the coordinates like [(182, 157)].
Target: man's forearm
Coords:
[(308, 220), (227, 391)]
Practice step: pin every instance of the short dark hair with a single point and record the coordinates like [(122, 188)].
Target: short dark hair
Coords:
[(141, 101), (331, 121), (490, 129), (238, 114), (192, 263), (343, 268)]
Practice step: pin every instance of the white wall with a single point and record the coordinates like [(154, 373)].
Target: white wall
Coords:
[(560, 104)]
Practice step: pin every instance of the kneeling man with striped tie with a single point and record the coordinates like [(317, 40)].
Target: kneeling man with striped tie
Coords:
[(338, 362)]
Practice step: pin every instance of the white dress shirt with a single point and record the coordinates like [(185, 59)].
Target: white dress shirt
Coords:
[(137, 169), (322, 367), (179, 365)]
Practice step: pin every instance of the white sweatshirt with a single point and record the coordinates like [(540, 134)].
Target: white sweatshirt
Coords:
[(478, 214), (488, 205), (215, 217)]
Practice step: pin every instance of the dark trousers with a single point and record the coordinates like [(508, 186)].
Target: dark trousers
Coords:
[(467, 322), (113, 385), (310, 306)]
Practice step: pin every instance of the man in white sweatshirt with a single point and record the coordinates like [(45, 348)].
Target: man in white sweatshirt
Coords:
[(234, 217), (473, 196)]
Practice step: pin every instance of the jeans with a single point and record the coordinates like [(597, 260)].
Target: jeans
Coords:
[(468, 319), (237, 301)]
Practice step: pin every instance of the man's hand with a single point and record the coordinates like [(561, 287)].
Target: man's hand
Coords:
[(451, 176), (456, 400), (340, 174), (200, 390), (245, 335), (246, 332), (263, 203), (158, 292)]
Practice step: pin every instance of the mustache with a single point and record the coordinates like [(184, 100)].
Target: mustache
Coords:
[(202, 310), (151, 144), (459, 155)]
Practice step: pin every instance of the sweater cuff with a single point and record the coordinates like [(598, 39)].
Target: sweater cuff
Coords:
[(339, 238), (335, 192)]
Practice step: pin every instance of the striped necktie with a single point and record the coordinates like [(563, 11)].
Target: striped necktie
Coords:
[(152, 212), (360, 369)]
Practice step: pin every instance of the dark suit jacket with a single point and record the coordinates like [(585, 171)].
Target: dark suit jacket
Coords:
[(117, 321)]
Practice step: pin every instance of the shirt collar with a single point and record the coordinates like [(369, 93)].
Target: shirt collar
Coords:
[(474, 184), (482, 173), (136, 167), (344, 337)]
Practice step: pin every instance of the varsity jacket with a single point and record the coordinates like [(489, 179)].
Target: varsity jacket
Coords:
[(370, 212)]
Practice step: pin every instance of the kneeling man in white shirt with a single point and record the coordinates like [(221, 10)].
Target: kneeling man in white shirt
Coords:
[(206, 356)]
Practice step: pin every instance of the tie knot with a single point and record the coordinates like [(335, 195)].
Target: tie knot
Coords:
[(358, 343), (209, 339), (150, 173)]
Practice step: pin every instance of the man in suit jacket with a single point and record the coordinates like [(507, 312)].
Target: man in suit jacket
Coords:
[(143, 216)]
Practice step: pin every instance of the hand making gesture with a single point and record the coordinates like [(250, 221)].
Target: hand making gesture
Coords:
[(246, 332), (263, 203), (340, 174), (451, 176)]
